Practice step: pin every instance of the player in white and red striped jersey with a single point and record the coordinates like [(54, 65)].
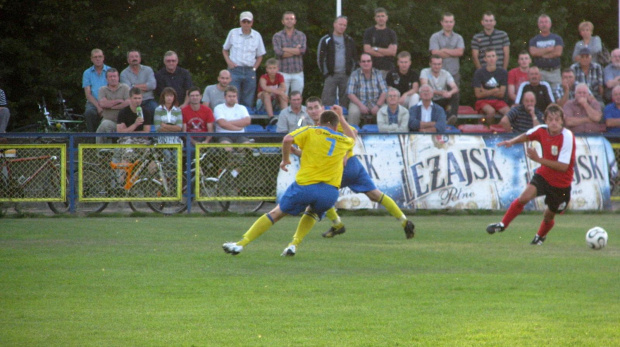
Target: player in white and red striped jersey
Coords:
[(554, 176)]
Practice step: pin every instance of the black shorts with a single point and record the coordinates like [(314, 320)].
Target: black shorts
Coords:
[(556, 198)]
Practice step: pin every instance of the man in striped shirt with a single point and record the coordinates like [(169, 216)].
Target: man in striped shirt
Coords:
[(290, 46), (523, 117), (490, 39)]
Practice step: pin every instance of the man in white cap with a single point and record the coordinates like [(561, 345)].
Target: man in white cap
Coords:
[(243, 52)]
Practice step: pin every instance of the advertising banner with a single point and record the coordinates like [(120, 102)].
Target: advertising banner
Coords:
[(453, 171)]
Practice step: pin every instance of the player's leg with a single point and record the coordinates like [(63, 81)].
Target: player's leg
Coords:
[(545, 226), (557, 200), (515, 209), (259, 227), (378, 196), (320, 198), (337, 227)]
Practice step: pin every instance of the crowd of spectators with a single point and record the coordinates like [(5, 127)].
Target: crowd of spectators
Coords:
[(378, 86)]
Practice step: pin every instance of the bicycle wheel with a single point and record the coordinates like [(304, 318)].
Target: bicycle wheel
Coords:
[(169, 207), (209, 188), (240, 189), (152, 188), (92, 186)]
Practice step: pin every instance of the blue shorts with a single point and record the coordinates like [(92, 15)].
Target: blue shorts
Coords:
[(356, 177), (320, 197)]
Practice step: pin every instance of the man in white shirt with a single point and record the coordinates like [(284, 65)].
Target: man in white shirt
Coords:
[(243, 51), (231, 117)]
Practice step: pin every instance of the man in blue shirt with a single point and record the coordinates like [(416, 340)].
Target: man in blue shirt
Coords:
[(93, 79)]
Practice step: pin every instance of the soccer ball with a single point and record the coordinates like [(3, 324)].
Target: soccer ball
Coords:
[(596, 238)]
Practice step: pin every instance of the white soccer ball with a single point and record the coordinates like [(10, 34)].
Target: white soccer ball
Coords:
[(596, 238)]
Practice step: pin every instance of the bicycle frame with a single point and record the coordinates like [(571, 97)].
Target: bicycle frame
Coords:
[(49, 162)]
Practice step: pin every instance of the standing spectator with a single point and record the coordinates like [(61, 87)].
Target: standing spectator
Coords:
[(214, 94), (5, 113), (271, 89), (523, 117), (589, 73), (174, 77), (336, 59), (243, 51), (566, 90), (593, 43), (490, 39), (426, 116), (612, 113), (393, 117), (168, 117), (197, 118), (381, 42), (294, 116), (231, 117), (113, 97), (518, 75), (93, 79), (366, 91), (612, 73), (541, 89), (445, 90), (405, 79), (546, 50), (583, 114), (450, 47), (141, 76), (290, 47), (130, 122), (490, 89)]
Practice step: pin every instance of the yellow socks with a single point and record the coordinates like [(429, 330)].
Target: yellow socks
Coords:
[(257, 229), (394, 210), (306, 222)]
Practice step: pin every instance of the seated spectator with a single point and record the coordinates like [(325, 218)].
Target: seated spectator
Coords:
[(490, 88), (197, 118), (518, 75), (612, 113), (612, 73), (524, 116), (542, 89), (168, 117), (366, 91), (589, 73), (5, 114), (405, 79), (443, 84), (141, 76), (271, 89), (130, 121), (112, 98), (566, 90), (393, 117), (230, 118), (583, 114), (427, 116), (294, 116), (214, 94)]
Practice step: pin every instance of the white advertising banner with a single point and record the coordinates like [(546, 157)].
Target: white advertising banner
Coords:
[(454, 171)]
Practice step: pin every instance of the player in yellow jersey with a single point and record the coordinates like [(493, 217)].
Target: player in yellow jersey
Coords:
[(358, 180), (316, 185)]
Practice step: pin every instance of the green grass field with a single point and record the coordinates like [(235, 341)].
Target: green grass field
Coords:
[(152, 281)]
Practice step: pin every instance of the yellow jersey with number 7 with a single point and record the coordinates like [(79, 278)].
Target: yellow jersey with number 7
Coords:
[(323, 152)]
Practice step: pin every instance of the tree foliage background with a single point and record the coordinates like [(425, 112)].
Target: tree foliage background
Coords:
[(46, 44)]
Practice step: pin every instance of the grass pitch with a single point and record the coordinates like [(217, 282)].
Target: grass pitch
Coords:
[(166, 282)]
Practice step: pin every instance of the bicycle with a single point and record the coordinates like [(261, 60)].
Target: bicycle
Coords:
[(39, 179), (231, 182), (66, 121), (147, 176)]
